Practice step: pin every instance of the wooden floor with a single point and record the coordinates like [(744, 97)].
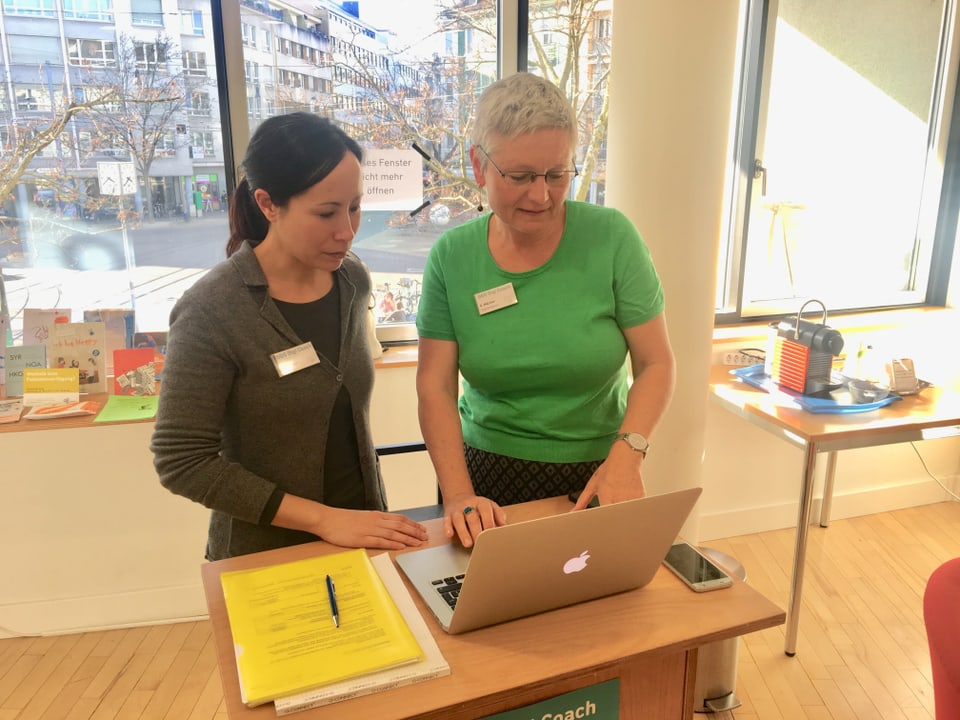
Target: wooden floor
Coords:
[(862, 650)]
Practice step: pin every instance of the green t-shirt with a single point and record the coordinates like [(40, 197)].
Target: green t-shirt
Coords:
[(544, 379)]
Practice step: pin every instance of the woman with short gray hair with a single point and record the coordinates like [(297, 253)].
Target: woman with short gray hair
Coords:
[(537, 305)]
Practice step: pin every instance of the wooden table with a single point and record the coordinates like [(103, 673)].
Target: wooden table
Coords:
[(647, 638), (932, 413)]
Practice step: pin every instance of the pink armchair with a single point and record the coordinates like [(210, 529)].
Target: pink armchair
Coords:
[(941, 615)]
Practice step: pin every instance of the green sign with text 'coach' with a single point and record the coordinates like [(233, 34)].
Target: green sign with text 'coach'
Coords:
[(597, 702)]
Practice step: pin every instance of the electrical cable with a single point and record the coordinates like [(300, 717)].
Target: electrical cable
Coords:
[(932, 476)]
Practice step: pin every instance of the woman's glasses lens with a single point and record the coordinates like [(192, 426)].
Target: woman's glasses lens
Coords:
[(554, 178)]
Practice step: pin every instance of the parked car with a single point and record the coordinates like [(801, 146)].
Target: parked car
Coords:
[(72, 244)]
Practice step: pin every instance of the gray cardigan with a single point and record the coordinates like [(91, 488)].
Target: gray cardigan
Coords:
[(229, 430)]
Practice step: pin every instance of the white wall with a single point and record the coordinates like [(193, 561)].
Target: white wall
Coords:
[(89, 538), (670, 82)]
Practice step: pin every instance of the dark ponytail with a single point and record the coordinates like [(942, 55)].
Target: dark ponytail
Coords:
[(247, 221)]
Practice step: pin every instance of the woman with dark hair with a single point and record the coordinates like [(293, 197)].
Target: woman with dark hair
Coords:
[(264, 407)]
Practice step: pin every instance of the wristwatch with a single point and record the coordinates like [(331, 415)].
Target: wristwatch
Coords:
[(635, 440)]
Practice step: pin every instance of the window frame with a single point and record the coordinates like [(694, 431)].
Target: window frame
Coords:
[(143, 16), (754, 63), (103, 60), (103, 10), (30, 8)]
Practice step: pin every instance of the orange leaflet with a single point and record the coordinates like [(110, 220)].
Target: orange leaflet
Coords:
[(86, 406)]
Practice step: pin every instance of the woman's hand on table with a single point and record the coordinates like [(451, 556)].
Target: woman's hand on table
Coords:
[(369, 529)]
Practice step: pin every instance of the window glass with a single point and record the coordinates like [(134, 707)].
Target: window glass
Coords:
[(195, 62), (393, 74), (570, 46), (66, 239), (848, 177), (101, 53), (101, 10), (43, 8), (146, 12), (191, 22), (398, 74), (26, 49)]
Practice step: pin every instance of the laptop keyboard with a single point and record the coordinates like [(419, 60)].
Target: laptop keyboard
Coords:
[(449, 588)]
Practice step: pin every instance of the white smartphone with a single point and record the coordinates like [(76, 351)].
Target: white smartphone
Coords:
[(695, 569)]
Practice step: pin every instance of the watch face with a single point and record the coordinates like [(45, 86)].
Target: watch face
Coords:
[(636, 441)]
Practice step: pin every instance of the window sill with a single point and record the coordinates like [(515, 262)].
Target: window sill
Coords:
[(754, 334), (395, 356), (918, 333), (881, 320)]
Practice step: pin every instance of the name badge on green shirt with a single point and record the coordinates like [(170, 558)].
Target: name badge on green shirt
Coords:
[(495, 298)]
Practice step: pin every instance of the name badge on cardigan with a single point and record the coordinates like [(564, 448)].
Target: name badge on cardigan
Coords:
[(495, 298), (296, 358)]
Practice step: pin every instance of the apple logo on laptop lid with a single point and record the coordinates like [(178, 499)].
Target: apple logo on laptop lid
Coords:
[(576, 564)]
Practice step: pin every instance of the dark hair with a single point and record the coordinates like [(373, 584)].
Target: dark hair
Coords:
[(287, 155)]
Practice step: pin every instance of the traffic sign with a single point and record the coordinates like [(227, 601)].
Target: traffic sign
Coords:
[(117, 178)]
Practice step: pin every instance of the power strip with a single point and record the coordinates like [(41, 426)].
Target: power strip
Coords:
[(735, 358)]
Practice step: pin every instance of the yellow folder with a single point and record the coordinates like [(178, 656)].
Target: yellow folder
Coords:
[(283, 631)]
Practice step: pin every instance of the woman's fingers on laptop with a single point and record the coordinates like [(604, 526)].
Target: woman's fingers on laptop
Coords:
[(468, 517)]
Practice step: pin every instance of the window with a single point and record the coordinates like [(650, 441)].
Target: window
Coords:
[(167, 146), (48, 261), (27, 101), (43, 8), (33, 50), (150, 56), (146, 12), (191, 22), (91, 53), (396, 84), (195, 63), (566, 49), (101, 10), (840, 162), (203, 141), (199, 103), (249, 35)]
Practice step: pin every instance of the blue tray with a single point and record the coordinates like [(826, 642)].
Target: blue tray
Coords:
[(755, 376)]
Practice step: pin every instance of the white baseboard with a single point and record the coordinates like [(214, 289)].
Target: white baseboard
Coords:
[(863, 502), (62, 616)]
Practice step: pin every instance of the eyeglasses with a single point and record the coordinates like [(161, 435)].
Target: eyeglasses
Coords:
[(520, 178)]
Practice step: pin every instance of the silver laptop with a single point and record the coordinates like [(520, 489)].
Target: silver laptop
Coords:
[(538, 565)]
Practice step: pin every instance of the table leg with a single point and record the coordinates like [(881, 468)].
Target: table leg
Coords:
[(800, 549), (827, 501)]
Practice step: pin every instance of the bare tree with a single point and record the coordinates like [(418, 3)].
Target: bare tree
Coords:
[(154, 91), (567, 45), (425, 105), (29, 138)]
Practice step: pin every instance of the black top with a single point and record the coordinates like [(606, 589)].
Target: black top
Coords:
[(318, 322)]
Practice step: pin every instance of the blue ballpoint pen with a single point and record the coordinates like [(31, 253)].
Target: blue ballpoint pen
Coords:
[(332, 594)]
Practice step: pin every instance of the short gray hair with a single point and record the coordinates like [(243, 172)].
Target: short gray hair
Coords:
[(518, 104)]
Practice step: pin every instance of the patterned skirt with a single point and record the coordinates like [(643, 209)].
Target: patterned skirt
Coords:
[(507, 480)]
